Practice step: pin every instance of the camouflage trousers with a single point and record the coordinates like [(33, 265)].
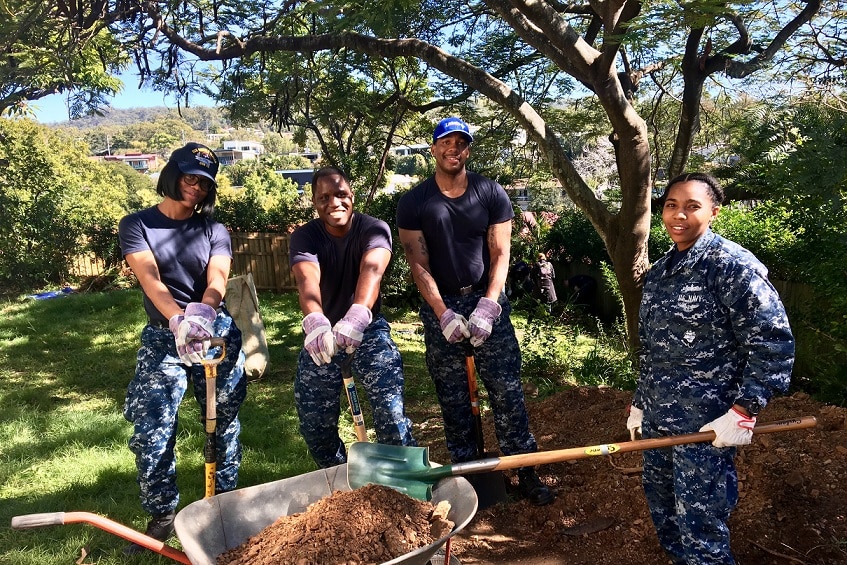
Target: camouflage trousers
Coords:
[(691, 490), (378, 369), (498, 364), (152, 401)]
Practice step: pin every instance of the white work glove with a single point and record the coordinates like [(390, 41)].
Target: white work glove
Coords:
[(482, 320), (633, 422), (453, 326), (194, 331), (733, 428), (319, 343), (350, 329)]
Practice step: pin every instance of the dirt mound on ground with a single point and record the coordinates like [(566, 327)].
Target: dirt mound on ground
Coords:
[(792, 505)]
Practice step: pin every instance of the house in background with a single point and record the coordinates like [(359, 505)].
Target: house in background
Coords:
[(141, 162), (301, 176), (235, 150)]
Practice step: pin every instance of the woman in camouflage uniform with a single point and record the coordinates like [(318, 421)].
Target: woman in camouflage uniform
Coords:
[(715, 347), (181, 258)]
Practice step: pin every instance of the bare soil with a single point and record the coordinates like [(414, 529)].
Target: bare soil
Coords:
[(792, 509)]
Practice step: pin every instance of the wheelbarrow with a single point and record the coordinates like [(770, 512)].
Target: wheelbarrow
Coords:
[(209, 527)]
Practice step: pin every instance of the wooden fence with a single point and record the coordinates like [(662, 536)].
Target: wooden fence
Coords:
[(265, 256), (87, 266)]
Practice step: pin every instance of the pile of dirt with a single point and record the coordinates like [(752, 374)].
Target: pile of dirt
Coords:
[(366, 526), (792, 504)]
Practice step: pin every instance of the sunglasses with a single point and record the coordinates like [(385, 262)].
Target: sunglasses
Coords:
[(194, 180)]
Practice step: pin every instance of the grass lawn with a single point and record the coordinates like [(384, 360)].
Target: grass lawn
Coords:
[(64, 367)]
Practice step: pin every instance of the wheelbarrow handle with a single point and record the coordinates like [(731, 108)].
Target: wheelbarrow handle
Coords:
[(60, 518)]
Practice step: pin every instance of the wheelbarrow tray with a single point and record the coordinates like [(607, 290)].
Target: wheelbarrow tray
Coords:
[(209, 527)]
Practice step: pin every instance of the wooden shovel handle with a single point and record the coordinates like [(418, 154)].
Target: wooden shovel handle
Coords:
[(210, 457), (473, 390), (353, 399), (556, 456)]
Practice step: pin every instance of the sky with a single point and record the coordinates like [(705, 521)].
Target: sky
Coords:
[(53, 108)]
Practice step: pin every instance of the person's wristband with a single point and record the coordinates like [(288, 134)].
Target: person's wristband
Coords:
[(751, 406)]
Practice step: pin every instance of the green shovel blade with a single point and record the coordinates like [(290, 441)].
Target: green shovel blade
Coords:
[(406, 469)]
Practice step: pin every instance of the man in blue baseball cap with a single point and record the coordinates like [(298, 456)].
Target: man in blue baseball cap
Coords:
[(450, 125), (456, 229)]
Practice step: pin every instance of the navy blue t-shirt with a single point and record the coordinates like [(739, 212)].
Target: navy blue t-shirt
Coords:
[(182, 249), (339, 258), (455, 228)]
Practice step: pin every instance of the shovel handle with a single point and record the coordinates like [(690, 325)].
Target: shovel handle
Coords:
[(353, 399), (61, 518), (473, 390), (556, 456), (210, 457)]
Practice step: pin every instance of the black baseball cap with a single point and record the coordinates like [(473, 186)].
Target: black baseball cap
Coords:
[(196, 159)]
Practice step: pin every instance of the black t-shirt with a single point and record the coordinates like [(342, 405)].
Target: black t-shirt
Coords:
[(182, 249), (339, 258), (455, 228)]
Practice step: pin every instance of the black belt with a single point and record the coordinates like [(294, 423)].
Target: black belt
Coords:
[(466, 290)]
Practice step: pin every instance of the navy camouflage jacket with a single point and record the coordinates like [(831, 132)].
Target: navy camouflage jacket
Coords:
[(712, 330)]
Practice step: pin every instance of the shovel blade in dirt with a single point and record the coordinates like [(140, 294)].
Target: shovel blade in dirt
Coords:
[(408, 469)]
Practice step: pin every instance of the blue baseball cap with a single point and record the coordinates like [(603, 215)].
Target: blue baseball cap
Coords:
[(451, 125), (196, 159)]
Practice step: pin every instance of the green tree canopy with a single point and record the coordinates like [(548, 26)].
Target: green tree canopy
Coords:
[(508, 66), (53, 196)]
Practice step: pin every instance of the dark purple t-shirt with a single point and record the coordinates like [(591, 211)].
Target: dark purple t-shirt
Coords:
[(455, 228), (339, 258), (182, 249)]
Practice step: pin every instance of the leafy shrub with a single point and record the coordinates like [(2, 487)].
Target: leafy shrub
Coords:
[(51, 193), (266, 203), (573, 239), (398, 286)]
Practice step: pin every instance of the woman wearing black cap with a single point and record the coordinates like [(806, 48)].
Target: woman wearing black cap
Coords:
[(181, 258)]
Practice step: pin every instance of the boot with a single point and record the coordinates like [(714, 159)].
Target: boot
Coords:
[(532, 489), (160, 527)]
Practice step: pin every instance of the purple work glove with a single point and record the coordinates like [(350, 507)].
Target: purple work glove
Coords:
[(350, 329), (174, 323), (319, 343), (453, 326), (482, 320), (733, 428), (194, 329)]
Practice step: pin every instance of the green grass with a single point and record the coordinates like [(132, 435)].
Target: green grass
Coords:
[(64, 367)]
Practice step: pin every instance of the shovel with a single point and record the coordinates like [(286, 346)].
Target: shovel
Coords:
[(353, 399), (408, 470), (210, 366), (490, 487)]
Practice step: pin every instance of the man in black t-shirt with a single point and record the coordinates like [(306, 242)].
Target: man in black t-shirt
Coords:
[(456, 231), (338, 261)]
